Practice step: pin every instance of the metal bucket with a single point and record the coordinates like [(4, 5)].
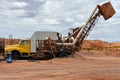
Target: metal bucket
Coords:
[(106, 10)]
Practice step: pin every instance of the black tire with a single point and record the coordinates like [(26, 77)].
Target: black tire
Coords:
[(48, 55), (62, 55), (15, 55), (52, 55)]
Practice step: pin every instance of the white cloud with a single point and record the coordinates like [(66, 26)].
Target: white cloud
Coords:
[(69, 20), (22, 17), (19, 4), (77, 24), (50, 21)]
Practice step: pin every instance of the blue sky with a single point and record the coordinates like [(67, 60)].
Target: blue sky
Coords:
[(21, 18)]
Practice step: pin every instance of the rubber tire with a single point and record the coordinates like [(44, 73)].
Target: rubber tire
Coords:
[(15, 55), (62, 55), (48, 55)]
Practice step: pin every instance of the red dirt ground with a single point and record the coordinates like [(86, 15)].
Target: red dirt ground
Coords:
[(92, 67)]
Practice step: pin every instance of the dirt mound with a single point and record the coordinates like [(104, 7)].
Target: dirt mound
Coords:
[(115, 44), (77, 55), (100, 45), (101, 52), (95, 44), (11, 42)]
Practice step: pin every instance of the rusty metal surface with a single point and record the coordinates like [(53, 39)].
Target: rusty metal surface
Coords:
[(106, 10)]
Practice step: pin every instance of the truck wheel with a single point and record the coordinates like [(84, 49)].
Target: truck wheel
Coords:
[(48, 55), (61, 55), (15, 55)]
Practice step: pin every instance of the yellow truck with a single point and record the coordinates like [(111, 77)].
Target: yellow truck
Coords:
[(27, 47), (47, 44)]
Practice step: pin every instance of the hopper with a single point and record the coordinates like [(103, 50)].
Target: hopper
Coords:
[(106, 10)]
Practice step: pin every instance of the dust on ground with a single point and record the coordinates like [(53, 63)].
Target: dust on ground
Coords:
[(89, 68)]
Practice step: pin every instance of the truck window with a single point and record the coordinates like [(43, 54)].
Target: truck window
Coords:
[(25, 42)]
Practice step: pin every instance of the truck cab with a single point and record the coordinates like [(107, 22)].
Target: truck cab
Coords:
[(19, 50)]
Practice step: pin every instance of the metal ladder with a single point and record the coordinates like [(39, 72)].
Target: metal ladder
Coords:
[(88, 28)]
